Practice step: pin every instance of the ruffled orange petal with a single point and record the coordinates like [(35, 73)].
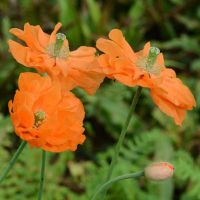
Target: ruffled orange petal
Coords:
[(146, 81), (169, 108), (122, 65), (146, 49), (127, 80), (72, 104), (48, 100), (89, 81), (18, 51), (107, 68), (160, 60), (42, 37), (63, 130), (173, 98), (109, 47), (63, 66), (53, 34), (68, 146), (18, 33), (23, 117), (84, 52), (167, 72), (83, 58), (177, 93), (36, 83), (117, 36), (81, 69), (32, 37), (18, 101)]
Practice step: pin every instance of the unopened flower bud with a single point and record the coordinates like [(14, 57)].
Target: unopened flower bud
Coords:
[(159, 171)]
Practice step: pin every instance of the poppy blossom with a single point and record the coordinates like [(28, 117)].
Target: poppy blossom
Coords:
[(51, 54), (45, 116), (120, 62), (145, 68)]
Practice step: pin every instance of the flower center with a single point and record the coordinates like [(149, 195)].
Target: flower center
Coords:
[(151, 58), (39, 118), (149, 63), (59, 50)]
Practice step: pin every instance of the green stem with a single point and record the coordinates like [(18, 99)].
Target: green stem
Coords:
[(12, 161), (122, 135), (42, 175), (107, 184), (123, 132)]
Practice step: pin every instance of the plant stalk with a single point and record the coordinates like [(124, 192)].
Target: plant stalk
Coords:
[(42, 175), (12, 161), (123, 132), (110, 182), (122, 135)]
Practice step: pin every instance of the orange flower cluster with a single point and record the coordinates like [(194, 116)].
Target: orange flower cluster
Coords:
[(44, 113), (51, 54), (146, 69), (47, 115)]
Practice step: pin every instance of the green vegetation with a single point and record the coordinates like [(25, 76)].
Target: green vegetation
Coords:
[(174, 27)]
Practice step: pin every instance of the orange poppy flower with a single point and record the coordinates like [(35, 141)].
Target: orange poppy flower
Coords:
[(145, 68), (120, 62), (44, 116), (51, 54)]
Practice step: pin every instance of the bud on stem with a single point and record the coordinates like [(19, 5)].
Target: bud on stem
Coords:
[(159, 171)]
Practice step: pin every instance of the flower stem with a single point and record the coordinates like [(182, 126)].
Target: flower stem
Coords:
[(42, 175), (107, 184), (123, 134), (12, 161)]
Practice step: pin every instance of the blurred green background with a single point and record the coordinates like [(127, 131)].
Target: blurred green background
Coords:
[(173, 26)]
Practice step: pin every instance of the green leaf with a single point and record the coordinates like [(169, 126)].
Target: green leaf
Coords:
[(196, 65), (94, 10), (69, 17), (5, 27)]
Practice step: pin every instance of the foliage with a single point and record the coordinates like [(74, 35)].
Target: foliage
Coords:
[(174, 27)]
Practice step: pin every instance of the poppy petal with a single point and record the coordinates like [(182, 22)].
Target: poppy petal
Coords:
[(18, 51)]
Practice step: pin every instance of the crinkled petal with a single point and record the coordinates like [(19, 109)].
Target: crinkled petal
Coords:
[(109, 47), (48, 100), (169, 108), (33, 83), (18, 33), (53, 34), (117, 36), (146, 49), (173, 98), (31, 34), (18, 51), (84, 51), (88, 77)]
